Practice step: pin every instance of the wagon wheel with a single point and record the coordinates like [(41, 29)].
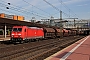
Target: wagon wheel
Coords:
[(21, 42)]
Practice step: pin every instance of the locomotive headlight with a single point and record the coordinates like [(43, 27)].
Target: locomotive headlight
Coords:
[(12, 34), (19, 34)]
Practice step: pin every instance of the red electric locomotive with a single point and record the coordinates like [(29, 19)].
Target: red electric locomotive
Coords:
[(22, 33)]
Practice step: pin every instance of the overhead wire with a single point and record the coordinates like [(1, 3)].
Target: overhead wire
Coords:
[(27, 13), (51, 5), (37, 8), (11, 8), (56, 8), (74, 14), (17, 8)]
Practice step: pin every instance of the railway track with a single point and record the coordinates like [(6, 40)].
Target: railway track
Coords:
[(37, 52)]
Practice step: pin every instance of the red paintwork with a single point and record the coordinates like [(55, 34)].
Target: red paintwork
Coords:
[(31, 32)]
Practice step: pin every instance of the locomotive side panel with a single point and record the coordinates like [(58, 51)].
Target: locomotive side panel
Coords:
[(40, 33), (33, 32)]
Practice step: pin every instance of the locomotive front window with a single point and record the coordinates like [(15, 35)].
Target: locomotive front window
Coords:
[(17, 29)]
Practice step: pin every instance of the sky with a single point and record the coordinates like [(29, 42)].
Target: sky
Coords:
[(40, 9)]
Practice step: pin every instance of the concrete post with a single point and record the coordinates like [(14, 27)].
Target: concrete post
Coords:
[(5, 31)]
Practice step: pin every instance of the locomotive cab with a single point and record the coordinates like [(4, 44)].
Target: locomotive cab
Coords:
[(18, 33)]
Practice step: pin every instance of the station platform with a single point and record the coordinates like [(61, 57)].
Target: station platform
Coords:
[(77, 51), (4, 39)]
